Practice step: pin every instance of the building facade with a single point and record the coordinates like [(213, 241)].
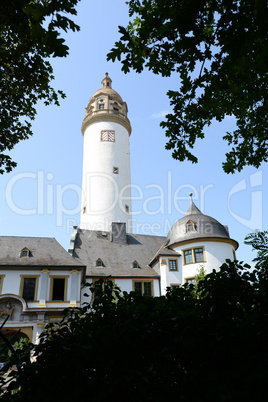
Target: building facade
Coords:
[(39, 279), (104, 243)]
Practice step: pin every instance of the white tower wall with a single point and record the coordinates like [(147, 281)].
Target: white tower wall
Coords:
[(106, 187)]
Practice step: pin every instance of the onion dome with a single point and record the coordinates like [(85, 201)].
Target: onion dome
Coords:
[(106, 105), (195, 225)]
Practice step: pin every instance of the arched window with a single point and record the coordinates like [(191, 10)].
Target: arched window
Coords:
[(99, 263), (135, 264), (190, 226), (25, 253)]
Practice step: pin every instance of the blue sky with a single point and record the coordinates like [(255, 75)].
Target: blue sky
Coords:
[(41, 196)]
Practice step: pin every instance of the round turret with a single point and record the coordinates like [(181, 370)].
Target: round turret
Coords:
[(106, 105), (195, 225)]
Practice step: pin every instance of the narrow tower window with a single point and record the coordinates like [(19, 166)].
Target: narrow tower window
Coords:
[(115, 170)]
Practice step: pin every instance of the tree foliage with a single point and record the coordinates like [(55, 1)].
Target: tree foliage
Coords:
[(205, 346), (219, 49), (259, 242), (29, 35)]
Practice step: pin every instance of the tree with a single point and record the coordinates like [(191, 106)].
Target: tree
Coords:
[(259, 242), (219, 49), (208, 346), (29, 35)]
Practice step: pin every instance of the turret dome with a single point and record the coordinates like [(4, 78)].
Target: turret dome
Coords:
[(195, 225), (106, 104)]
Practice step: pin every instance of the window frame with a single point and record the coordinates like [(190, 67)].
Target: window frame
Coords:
[(103, 131), (99, 260), (170, 260), (1, 282), (142, 281), (189, 278), (22, 280), (193, 255), (27, 251), (190, 223), (52, 277)]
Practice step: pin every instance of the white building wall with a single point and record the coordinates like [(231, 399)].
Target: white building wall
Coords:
[(12, 282), (215, 255), (125, 285), (105, 194)]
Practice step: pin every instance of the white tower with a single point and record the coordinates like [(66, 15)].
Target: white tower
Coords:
[(106, 192)]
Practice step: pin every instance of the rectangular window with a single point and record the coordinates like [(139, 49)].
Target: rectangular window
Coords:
[(194, 255), (198, 255), (190, 280), (28, 287), (147, 289), (188, 257), (101, 106), (143, 287), (138, 287), (58, 288), (173, 265), (107, 136)]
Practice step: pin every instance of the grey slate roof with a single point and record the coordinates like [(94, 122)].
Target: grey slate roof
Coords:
[(164, 252), (117, 257), (206, 227), (44, 251)]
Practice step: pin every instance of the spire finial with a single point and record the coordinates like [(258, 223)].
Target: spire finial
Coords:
[(191, 195), (106, 82)]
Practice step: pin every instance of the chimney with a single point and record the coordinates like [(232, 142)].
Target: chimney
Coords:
[(119, 234)]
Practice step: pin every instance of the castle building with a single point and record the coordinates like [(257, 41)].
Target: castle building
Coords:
[(104, 243), (38, 278)]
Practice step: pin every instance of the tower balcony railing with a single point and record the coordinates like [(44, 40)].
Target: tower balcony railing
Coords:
[(92, 115), (105, 111)]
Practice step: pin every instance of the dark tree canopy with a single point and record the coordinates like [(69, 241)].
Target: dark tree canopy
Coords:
[(219, 49), (195, 344), (29, 35)]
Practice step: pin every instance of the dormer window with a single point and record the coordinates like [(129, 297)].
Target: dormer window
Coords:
[(135, 264), (99, 263), (25, 253), (190, 226)]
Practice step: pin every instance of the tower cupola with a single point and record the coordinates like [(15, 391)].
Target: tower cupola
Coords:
[(106, 104)]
